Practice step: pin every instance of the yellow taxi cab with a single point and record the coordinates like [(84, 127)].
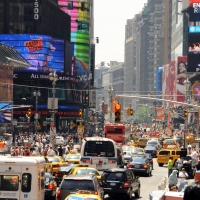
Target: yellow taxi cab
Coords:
[(56, 162), (72, 158), (136, 150), (142, 142), (167, 142), (48, 167), (85, 170), (164, 154), (83, 195)]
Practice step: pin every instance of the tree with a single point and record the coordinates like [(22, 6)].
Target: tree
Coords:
[(143, 115)]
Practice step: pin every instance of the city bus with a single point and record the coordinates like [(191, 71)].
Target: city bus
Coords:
[(115, 132), (99, 153)]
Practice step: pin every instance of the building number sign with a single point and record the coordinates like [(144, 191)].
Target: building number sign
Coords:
[(36, 10)]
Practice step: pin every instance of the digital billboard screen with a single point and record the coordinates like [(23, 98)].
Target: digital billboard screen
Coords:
[(194, 10), (5, 112), (44, 53), (193, 52)]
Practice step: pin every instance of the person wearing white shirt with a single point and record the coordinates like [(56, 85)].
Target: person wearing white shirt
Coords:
[(194, 156), (179, 163), (182, 177)]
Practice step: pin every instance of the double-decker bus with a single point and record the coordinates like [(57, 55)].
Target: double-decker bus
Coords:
[(115, 132)]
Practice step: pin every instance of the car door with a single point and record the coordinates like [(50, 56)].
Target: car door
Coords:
[(130, 179), (99, 188), (134, 181)]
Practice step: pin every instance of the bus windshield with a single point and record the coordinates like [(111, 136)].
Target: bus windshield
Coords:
[(99, 148)]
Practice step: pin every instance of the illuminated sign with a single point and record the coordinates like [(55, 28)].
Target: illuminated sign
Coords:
[(36, 10), (44, 76), (44, 53), (194, 10), (5, 112), (194, 29)]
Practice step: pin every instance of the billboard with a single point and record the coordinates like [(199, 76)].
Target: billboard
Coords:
[(5, 112), (193, 49), (169, 82), (80, 17), (194, 10), (44, 53), (181, 77)]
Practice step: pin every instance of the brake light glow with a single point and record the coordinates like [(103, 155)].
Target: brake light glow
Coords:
[(85, 161), (58, 194), (51, 186), (126, 185), (57, 165), (129, 165), (111, 161), (95, 192), (145, 166)]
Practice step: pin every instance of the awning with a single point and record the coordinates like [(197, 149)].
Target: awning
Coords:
[(11, 56)]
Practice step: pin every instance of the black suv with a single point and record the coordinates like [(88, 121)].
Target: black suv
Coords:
[(120, 181)]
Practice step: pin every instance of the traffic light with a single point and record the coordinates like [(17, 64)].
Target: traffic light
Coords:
[(29, 112), (117, 113), (80, 113), (131, 111), (185, 113), (128, 112)]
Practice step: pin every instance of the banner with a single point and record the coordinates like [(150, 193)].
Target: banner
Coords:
[(160, 114), (114, 101)]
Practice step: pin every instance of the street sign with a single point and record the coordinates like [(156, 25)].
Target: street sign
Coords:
[(53, 131), (80, 131)]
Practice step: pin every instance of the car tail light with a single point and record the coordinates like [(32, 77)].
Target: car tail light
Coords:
[(57, 165), (145, 166), (58, 175), (126, 185), (129, 165), (51, 186), (151, 161), (85, 161), (95, 192), (58, 194)]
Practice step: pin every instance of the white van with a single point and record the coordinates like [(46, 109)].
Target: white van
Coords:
[(22, 178)]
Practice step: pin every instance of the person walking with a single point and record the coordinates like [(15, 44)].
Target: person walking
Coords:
[(170, 166), (182, 177)]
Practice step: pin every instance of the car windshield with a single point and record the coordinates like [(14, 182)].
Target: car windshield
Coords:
[(72, 157), (77, 184), (169, 142), (126, 148), (136, 150), (114, 176), (148, 155), (127, 153), (150, 148), (99, 148), (74, 197), (65, 169), (87, 171), (138, 160), (153, 142), (164, 153), (53, 159)]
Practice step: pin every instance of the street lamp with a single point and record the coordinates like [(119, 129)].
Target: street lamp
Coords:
[(111, 92), (187, 85), (36, 95), (53, 77)]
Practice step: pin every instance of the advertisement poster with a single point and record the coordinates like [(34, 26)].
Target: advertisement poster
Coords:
[(194, 11), (169, 82), (160, 114), (44, 53), (5, 112), (181, 77)]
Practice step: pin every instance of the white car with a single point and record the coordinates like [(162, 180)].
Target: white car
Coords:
[(154, 143), (59, 140)]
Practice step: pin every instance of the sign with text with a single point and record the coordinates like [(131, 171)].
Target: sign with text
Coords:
[(194, 10), (80, 131)]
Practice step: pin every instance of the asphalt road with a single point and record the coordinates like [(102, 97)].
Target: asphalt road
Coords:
[(148, 184)]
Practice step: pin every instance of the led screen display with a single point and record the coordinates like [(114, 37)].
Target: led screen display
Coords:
[(5, 112), (193, 52), (44, 53), (194, 10)]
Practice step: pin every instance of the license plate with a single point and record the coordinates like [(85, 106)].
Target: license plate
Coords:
[(136, 166), (99, 166), (112, 184)]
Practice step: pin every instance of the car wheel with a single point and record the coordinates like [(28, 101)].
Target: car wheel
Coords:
[(137, 193), (129, 197), (150, 173), (160, 164)]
